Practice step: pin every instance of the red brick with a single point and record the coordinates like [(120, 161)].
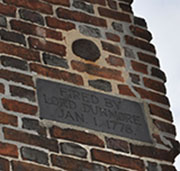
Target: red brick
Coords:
[(97, 70), (125, 7), (31, 139), (155, 72), (7, 10), (8, 119), (71, 164), (47, 46), (7, 149), (152, 152), (165, 127), (140, 44), (113, 37), (21, 107), (125, 90), (118, 145), (145, 94), (32, 4), (160, 112), (140, 22), (112, 4), (59, 24), (111, 48), (32, 29), (100, 2), (154, 85), (142, 33), (59, 2), (2, 90), (19, 51), (115, 61), (139, 67), (80, 17), (22, 166), (16, 77), (56, 73), (117, 159), (165, 167), (148, 58), (77, 136), (4, 164), (114, 14), (159, 140)]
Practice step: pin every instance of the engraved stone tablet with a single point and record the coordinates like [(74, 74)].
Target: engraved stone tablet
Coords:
[(88, 109)]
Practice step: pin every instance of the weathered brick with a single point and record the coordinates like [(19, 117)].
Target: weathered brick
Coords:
[(115, 61), (135, 78), (100, 2), (127, 1), (19, 51), (114, 14), (77, 136), (111, 48), (3, 21), (14, 63), (140, 22), (32, 29), (158, 74), (161, 112), (117, 159), (12, 37), (71, 164), (152, 152), (7, 149), (154, 85), (139, 67), (152, 166), (2, 89), (90, 31), (97, 70), (125, 7), (59, 24), (83, 6), (145, 94), (8, 119), (4, 164), (117, 27), (116, 169), (117, 144), (31, 139), (32, 16), (47, 46), (100, 84), (148, 58), (32, 124), (165, 167), (22, 166), (142, 33), (7, 10), (55, 60), (22, 92), (32, 4), (57, 74), (34, 155), (140, 44), (16, 77), (80, 17), (73, 149), (59, 2), (112, 4), (112, 36), (21, 107), (125, 90), (165, 127)]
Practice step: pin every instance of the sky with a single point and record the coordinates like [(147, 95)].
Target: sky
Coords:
[(163, 20)]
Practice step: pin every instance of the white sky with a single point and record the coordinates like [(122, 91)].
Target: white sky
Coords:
[(163, 19)]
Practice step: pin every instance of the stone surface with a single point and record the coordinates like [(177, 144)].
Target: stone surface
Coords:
[(3, 21), (93, 110), (83, 6), (86, 49), (90, 31), (117, 26)]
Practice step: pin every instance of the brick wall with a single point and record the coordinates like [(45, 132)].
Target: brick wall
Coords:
[(97, 45)]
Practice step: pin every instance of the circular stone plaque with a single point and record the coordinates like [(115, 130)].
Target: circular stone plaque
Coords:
[(86, 49)]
